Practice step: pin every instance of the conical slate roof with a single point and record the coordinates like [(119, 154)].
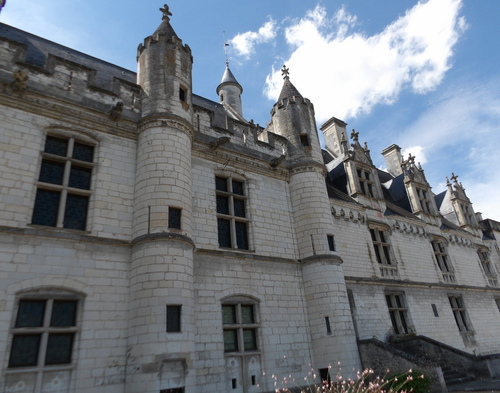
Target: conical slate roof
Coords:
[(228, 77), (165, 29), (288, 90)]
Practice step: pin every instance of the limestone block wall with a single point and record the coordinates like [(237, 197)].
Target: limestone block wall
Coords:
[(96, 273), (283, 332), (271, 230), (23, 136), (373, 320)]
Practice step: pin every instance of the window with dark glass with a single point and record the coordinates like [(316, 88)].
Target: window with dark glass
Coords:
[(381, 246), (174, 218), (484, 257), (331, 242), (398, 313), (63, 189), (458, 308), (43, 333), (232, 223), (441, 254), (366, 183), (173, 319), (304, 140), (424, 200), (239, 327)]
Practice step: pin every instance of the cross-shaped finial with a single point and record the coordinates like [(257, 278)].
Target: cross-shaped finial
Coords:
[(284, 72), (411, 159), (354, 135), (454, 177), (166, 12)]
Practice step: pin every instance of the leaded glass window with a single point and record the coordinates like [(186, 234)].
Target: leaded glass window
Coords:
[(240, 327), (64, 184), (44, 327), (232, 221)]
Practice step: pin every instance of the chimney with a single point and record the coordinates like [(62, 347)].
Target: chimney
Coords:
[(392, 155)]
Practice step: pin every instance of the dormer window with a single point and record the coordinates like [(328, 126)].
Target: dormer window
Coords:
[(424, 200), (468, 215), (366, 183)]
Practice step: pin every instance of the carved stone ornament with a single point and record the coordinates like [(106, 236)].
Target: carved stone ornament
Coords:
[(20, 80)]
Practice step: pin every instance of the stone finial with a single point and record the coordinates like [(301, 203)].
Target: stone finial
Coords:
[(285, 72), (354, 135), (20, 80), (454, 178), (166, 12)]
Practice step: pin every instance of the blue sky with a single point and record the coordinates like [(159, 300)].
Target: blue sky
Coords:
[(422, 74)]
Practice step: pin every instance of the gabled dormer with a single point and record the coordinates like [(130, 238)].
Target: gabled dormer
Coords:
[(457, 207), (418, 189), (362, 176)]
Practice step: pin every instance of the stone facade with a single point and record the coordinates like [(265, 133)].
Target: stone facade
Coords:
[(152, 240)]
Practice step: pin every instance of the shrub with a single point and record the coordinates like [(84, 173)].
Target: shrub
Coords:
[(365, 382), (417, 382)]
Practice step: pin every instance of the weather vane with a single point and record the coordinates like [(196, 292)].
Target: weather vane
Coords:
[(225, 47)]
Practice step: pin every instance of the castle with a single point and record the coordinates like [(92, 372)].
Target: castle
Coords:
[(152, 240)]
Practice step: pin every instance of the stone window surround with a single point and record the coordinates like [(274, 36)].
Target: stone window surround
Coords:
[(487, 266), (424, 200), (365, 182), (39, 370), (398, 312), (384, 255), (232, 217), (460, 313), (71, 135), (439, 247), (237, 302)]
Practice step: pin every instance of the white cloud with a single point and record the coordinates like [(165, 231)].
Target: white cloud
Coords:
[(346, 73), (417, 152), (459, 133), (244, 43)]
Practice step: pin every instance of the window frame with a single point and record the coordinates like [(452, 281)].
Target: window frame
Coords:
[(460, 313), (398, 313), (441, 257), (45, 331), (424, 200), (65, 189), (487, 266), (173, 311), (382, 246), (236, 222), (365, 181), (239, 326)]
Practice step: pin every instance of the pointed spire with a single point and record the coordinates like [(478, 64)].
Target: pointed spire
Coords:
[(228, 77), (288, 90), (165, 29)]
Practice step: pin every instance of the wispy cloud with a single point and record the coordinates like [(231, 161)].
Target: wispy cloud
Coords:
[(328, 57), (244, 43), (459, 133)]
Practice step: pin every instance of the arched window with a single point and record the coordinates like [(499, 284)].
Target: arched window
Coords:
[(43, 337)]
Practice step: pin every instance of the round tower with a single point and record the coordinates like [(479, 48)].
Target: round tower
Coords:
[(229, 92), (332, 333), (161, 335)]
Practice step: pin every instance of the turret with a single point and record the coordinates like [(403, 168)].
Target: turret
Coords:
[(323, 277), (229, 92), (293, 117), (164, 72), (161, 330)]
